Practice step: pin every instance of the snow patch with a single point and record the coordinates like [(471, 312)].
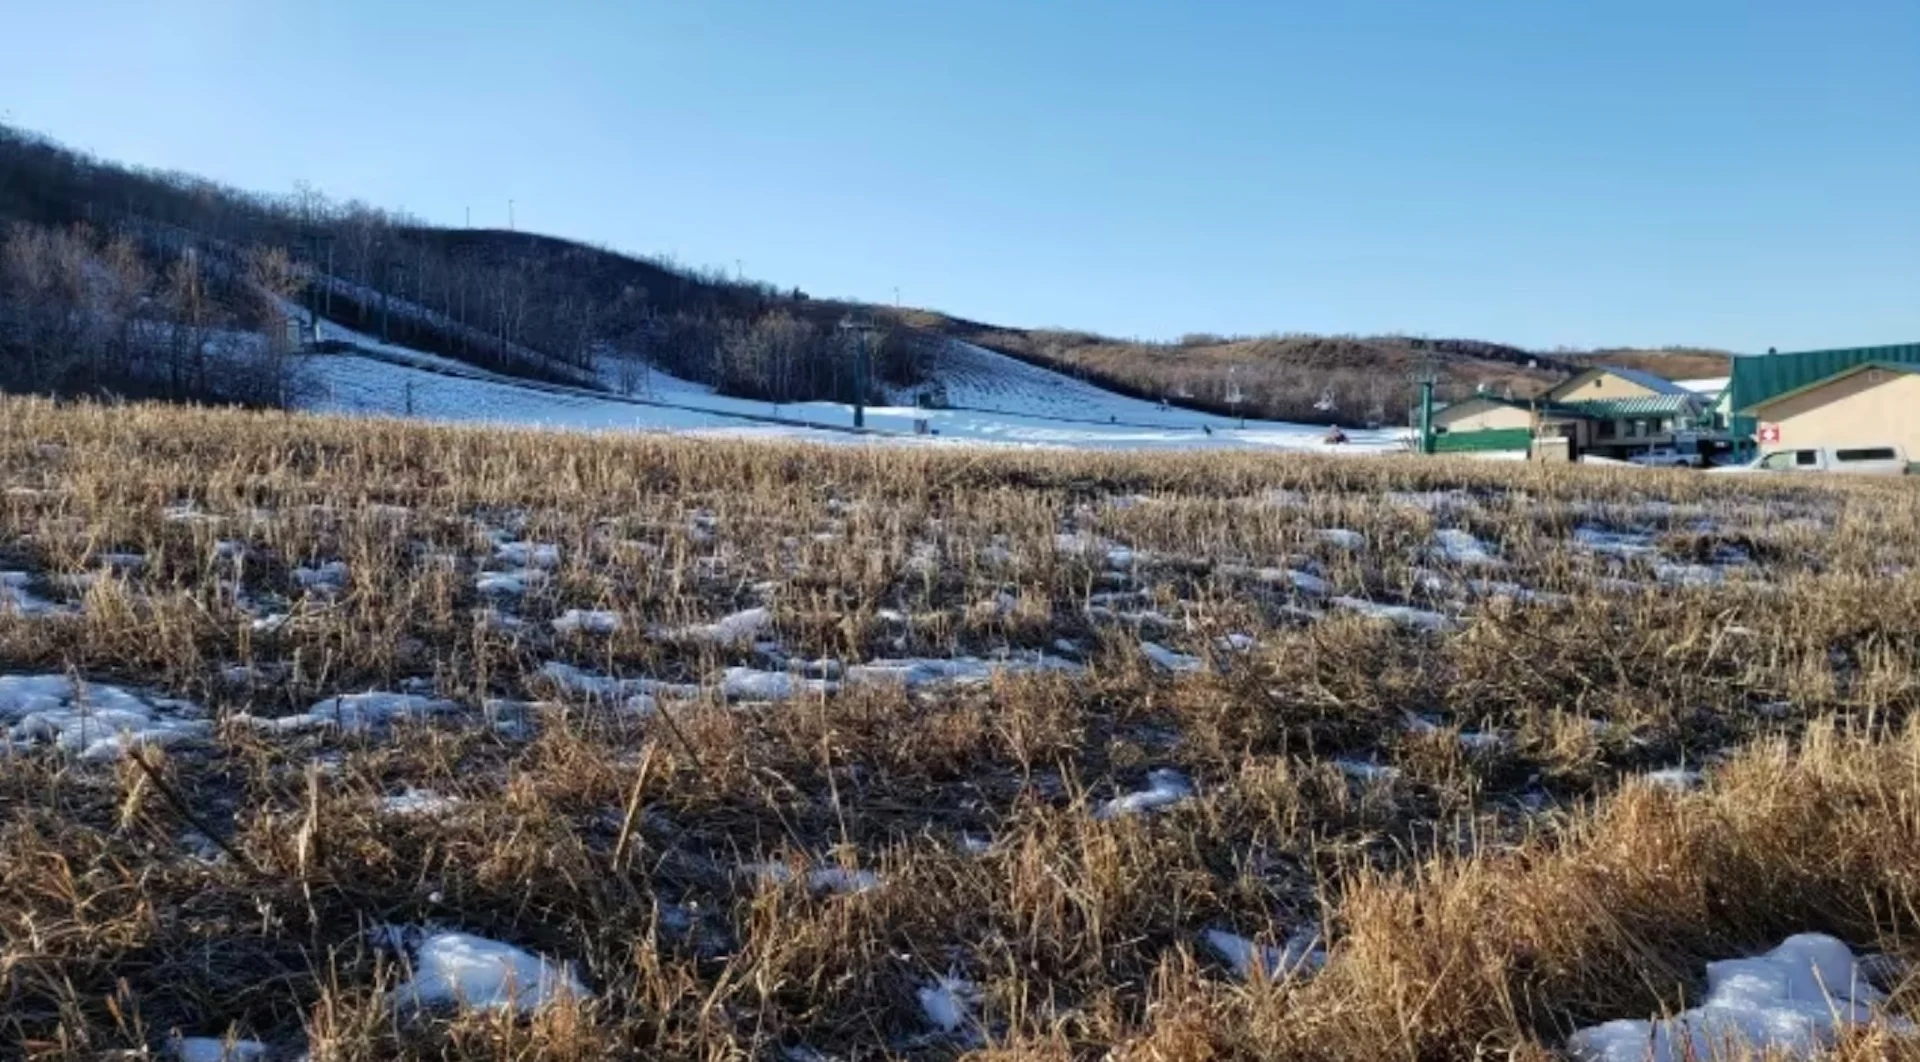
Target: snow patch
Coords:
[(418, 803), (961, 670), (512, 583), (1461, 547), (472, 972), (638, 693), (733, 629), (327, 578), (1305, 582), (1615, 543), (1165, 659), (1405, 615), (1515, 592), (948, 1003), (354, 713), (16, 598), (1165, 787), (754, 684), (1114, 557), (1433, 501), (1343, 538), (835, 879), (1688, 574), (214, 1049), (1366, 771), (528, 554), (1794, 1001), (1676, 779), (187, 512), (587, 621), (96, 722), (1302, 953)]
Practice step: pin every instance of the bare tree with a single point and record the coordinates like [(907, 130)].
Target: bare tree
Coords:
[(126, 280), (190, 314)]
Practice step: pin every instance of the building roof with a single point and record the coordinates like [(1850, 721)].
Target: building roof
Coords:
[(1759, 377), (1665, 405), (1710, 387), (1662, 405), (1885, 366), (1659, 385)]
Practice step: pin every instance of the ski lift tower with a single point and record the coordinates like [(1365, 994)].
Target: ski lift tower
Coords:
[(860, 328), (319, 282), (1425, 376), (1235, 395)]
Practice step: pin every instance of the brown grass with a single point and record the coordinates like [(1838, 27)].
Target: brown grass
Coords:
[(1464, 920), (1677, 363), (1288, 377)]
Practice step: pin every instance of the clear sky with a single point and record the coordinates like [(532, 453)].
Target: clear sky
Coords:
[(1736, 173)]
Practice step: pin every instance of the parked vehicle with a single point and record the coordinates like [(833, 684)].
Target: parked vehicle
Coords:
[(1869, 460), (1668, 457)]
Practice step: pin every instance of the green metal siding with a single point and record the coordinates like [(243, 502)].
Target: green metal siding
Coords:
[(1474, 442), (1758, 377)]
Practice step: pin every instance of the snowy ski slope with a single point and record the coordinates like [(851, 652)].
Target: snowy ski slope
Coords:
[(1001, 400)]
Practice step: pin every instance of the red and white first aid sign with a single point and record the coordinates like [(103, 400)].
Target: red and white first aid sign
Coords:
[(1769, 433)]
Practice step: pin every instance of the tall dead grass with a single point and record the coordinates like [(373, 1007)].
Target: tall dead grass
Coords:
[(1479, 903)]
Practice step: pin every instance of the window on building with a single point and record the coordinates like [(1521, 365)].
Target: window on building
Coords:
[(1603, 430), (1637, 429)]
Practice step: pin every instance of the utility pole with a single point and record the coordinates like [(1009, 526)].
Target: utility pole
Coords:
[(509, 215)]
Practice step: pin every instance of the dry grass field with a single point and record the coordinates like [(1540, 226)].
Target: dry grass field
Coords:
[(785, 752)]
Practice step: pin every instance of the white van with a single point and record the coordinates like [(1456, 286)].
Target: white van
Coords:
[(1873, 460)]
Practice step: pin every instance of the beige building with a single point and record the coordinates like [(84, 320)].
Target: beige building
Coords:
[(1608, 412), (1483, 413), (1875, 404), (1596, 385)]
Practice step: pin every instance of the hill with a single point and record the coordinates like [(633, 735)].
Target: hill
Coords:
[(1347, 379), (194, 262), (1674, 363)]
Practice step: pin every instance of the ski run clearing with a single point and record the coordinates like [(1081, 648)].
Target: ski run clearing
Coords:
[(993, 399)]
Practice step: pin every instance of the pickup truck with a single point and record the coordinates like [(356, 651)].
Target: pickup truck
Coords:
[(1870, 460), (1668, 457)]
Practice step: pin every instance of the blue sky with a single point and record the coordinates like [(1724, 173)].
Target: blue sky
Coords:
[(1736, 173)]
